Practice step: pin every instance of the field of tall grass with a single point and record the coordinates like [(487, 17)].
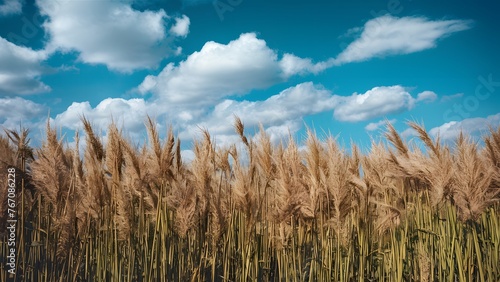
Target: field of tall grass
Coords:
[(253, 212)]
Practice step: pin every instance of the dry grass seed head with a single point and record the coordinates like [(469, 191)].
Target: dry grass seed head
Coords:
[(472, 195)]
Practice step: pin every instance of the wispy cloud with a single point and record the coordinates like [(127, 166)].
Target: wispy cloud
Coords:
[(448, 98), (388, 35)]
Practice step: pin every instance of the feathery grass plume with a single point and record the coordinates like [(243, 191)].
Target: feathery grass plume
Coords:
[(156, 161), (22, 160), (341, 197), (52, 175), (83, 204), (240, 128), (393, 137), (472, 195), (178, 157), (51, 169), (7, 159), (222, 161), (203, 168), (183, 200), (292, 196), (244, 196), (7, 153), (387, 193), (212, 202), (94, 170), (136, 176), (66, 235), (245, 185), (433, 172), (264, 154), (492, 154), (120, 197), (355, 160), (160, 161), (21, 141), (316, 167), (401, 160), (437, 168)]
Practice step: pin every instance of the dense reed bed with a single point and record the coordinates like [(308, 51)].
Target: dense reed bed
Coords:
[(265, 212)]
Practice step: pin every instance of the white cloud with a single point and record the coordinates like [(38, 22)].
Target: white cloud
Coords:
[(181, 27), (110, 33), (278, 113), (387, 35), (223, 70), (20, 69), (216, 71), (292, 65), (129, 114), (377, 102), (372, 126), (409, 132), (16, 111), (11, 7), (448, 98), (472, 126), (426, 96)]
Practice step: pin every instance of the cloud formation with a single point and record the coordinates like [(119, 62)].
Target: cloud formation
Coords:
[(372, 126), (388, 35), (11, 7), (20, 69), (111, 33), (181, 26), (377, 102), (277, 113), (473, 126), (131, 113), (216, 71), (16, 111)]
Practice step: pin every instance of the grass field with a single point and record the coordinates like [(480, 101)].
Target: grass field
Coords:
[(266, 212)]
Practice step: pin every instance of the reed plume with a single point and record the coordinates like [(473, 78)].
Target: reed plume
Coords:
[(472, 194)]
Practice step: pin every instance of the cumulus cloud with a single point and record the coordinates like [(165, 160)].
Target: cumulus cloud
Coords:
[(377, 102), (111, 33), (426, 96), (388, 35), (473, 126), (372, 126), (278, 113), (11, 7), (16, 111), (216, 71), (292, 65), (222, 70), (181, 27), (20, 69), (130, 113)]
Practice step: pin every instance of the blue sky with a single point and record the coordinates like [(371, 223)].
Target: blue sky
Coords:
[(342, 67)]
